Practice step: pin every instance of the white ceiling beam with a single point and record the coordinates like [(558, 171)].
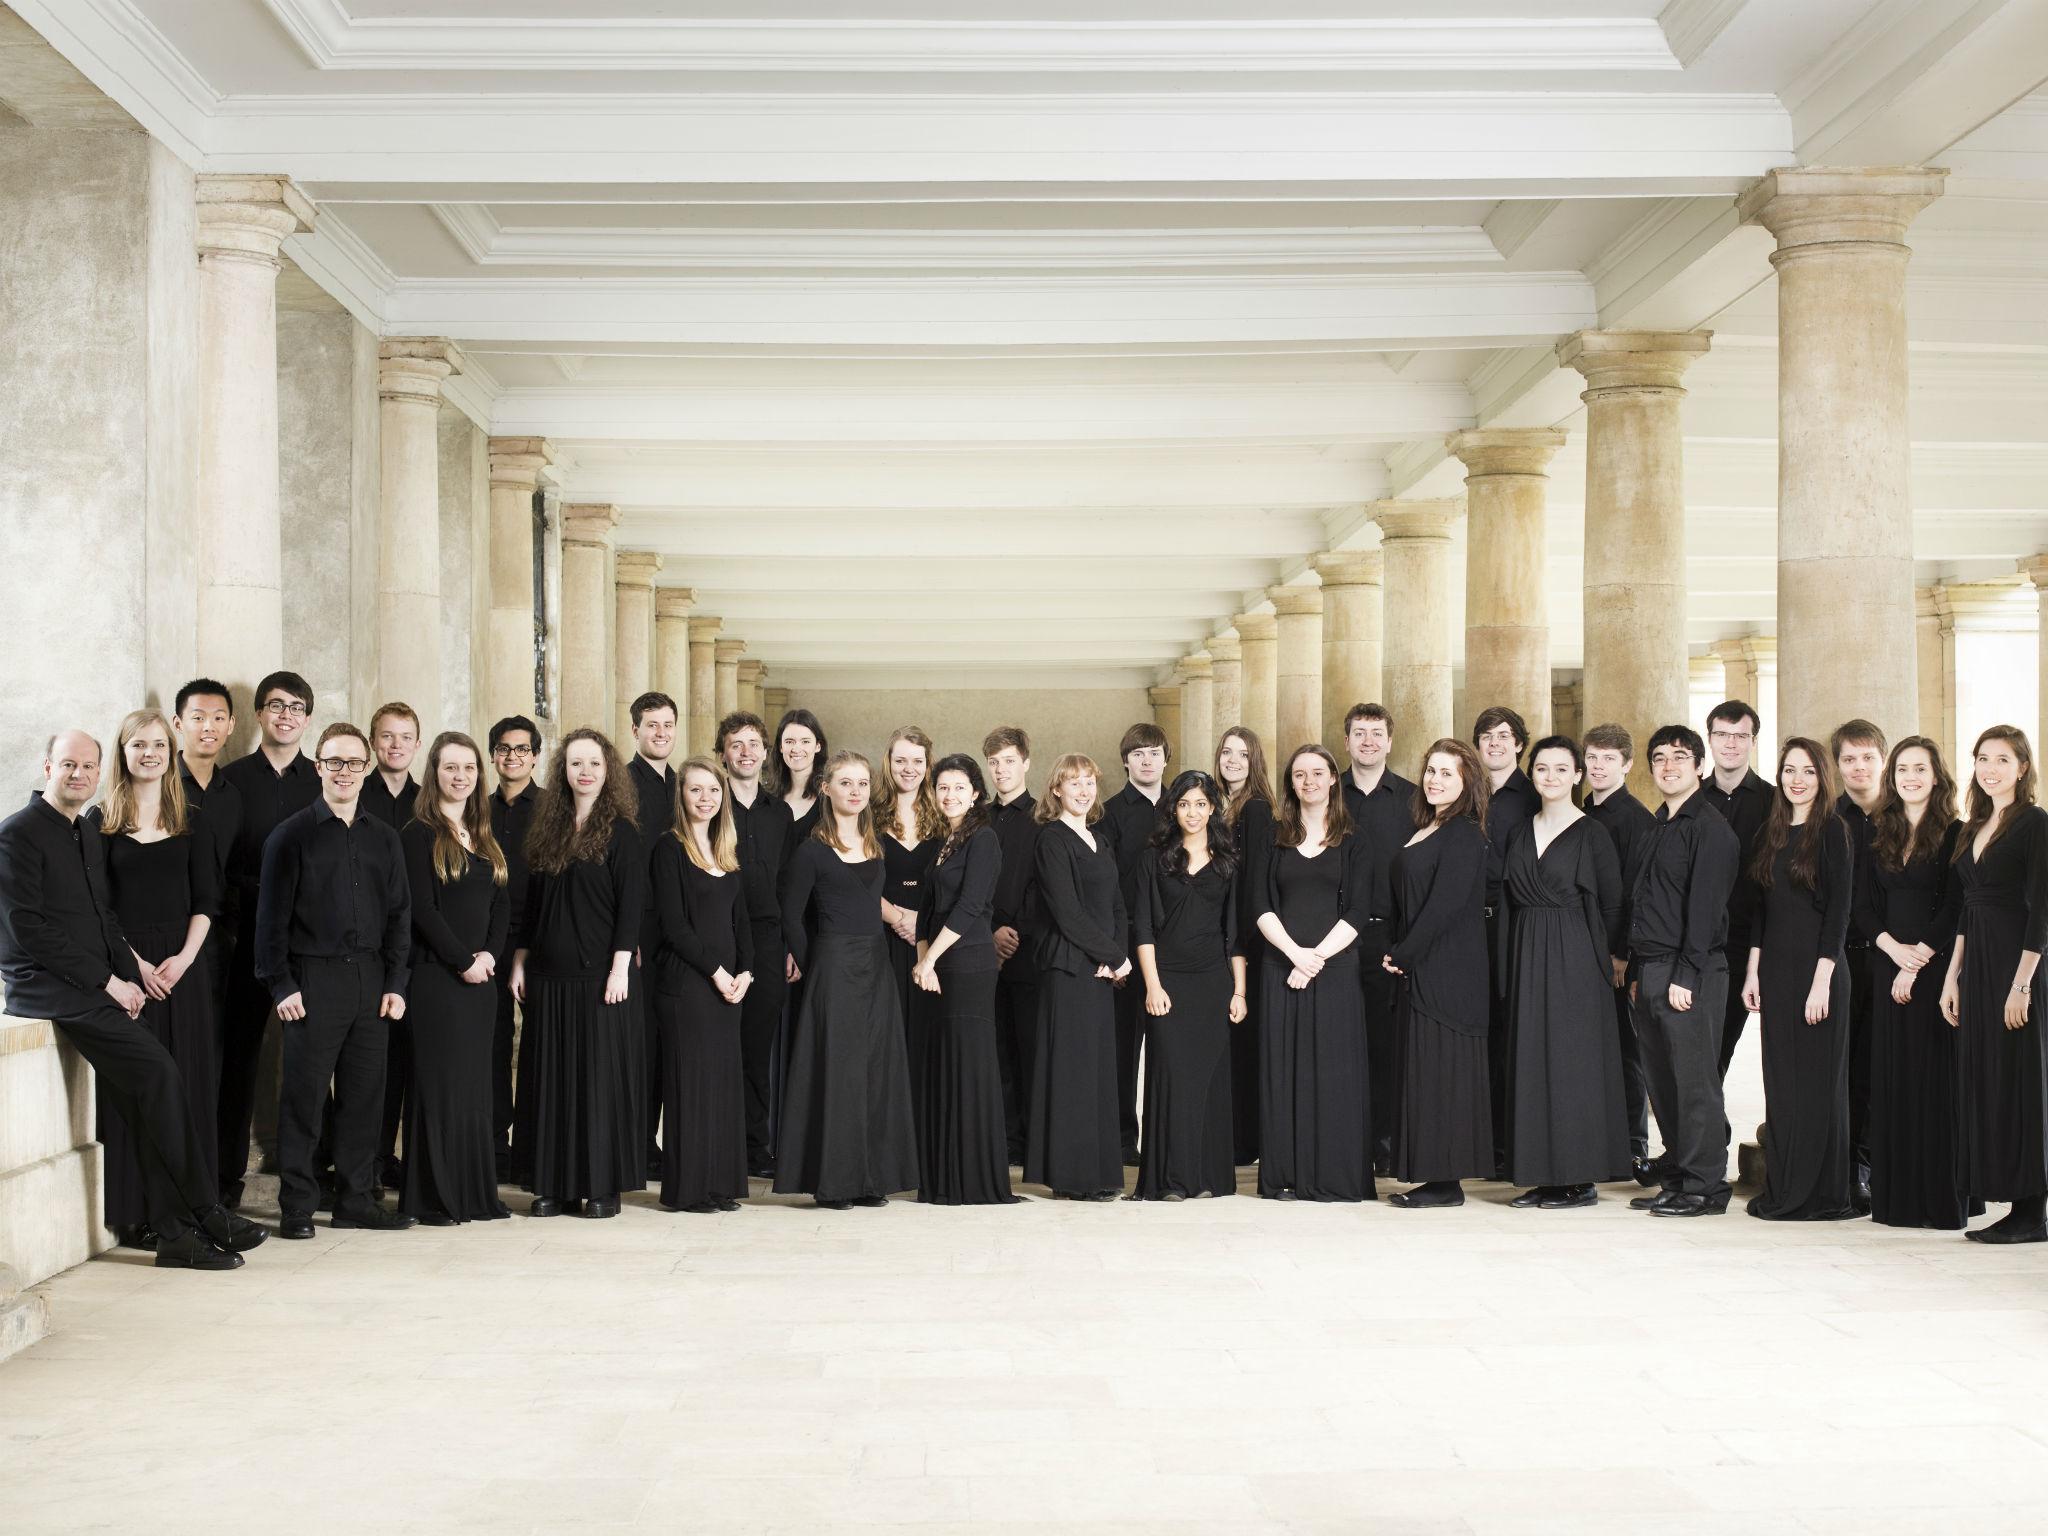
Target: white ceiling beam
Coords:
[(934, 674), (1157, 565), (1255, 536)]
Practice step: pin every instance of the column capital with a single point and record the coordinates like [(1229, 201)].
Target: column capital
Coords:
[(1632, 362), (2033, 567), (1351, 568), (1294, 602), (1416, 519), (1986, 605), (516, 462), (1505, 450), (728, 649), (1163, 693), (412, 367), (247, 218), (750, 669), (1255, 626), (636, 567), (704, 627), (1821, 205), (1225, 648), (1197, 667), (589, 522), (1759, 651), (674, 602)]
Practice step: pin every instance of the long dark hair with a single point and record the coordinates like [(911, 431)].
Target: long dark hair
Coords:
[(1980, 803), (1894, 841), (1258, 783), (1166, 834), (778, 770), (451, 859), (1822, 821), (554, 840), (1472, 798), (1287, 828), (977, 814)]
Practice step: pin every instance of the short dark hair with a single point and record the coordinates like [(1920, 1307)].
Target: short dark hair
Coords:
[(1138, 737), (1612, 738), (1006, 736), (653, 700), (1679, 736), (1559, 744), (203, 687), (1359, 712), (514, 723), (340, 728), (1735, 710), (739, 720), (1498, 715), (287, 682), (1855, 733)]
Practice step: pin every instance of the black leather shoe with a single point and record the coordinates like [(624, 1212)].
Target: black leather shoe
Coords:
[(228, 1232), (1688, 1205), (436, 1219), (599, 1209), (295, 1225), (1426, 1197), (137, 1235), (1570, 1198), (694, 1208), (194, 1250), (1644, 1172), (727, 1205), (1530, 1198), (1997, 1232), (1649, 1202), (833, 1205), (1100, 1195), (761, 1168), (371, 1218), (1283, 1194), (871, 1201)]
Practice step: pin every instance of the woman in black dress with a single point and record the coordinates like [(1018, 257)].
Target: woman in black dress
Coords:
[(1072, 1144), (1315, 1121), (1567, 1123), (1904, 900), (582, 1061), (798, 773), (702, 970), (1798, 983), (1188, 951), (1994, 993), (163, 879), (1445, 1132), (907, 815), (459, 911), (1248, 813), (962, 1143), (846, 1137)]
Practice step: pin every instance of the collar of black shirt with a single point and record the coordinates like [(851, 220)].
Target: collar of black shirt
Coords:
[(1694, 804)]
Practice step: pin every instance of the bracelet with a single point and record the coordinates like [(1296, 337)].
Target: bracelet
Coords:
[(2022, 986)]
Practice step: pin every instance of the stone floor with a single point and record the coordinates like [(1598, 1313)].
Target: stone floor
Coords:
[(1213, 1367)]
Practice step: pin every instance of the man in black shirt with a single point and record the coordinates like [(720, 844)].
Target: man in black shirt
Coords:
[(333, 946), (766, 834), (273, 782), (1014, 817), (204, 719), (654, 783), (390, 794), (1859, 749), (515, 751), (1744, 801), (1381, 805), (63, 957), (1678, 933), (1128, 818), (1610, 752), (1500, 737)]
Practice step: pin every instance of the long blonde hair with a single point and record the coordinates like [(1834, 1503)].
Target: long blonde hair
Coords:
[(723, 836), (931, 822), (117, 804), (451, 859), (827, 829)]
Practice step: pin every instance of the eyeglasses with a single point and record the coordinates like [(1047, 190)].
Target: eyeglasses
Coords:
[(1731, 735), (504, 750), (290, 707), (343, 764)]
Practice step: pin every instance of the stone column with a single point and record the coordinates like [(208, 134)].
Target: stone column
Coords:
[(1935, 703), (633, 573), (672, 655), (1568, 707), (1165, 701), (1415, 542), (727, 653), (1198, 713), (1507, 605), (1258, 641), (1634, 564), (516, 463), (1760, 679), (587, 616), (1353, 623), (774, 705), (1845, 516), (1226, 665), (750, 687), (704, 711), (409, 374), (2035, 569), (1298, 665), (243, 222)]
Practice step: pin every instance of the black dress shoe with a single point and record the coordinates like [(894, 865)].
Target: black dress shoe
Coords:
[(295, 1225), (1283, 1194), (228, 1232), (194, 1250), (871, 1201), (694, 1208), (1570, 1198), (436, 1219), (138, 1234), (1644, 1172), (761, 1168), (1648, 1202), (1688, 1205), (1423, 1197), (598, 1209), (544, 1206), (727, 1205), (371, 1218), (832, 1205), (1997, 1232), (1532, 1197)]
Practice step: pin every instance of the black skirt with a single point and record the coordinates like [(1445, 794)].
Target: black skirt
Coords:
[(2004, 1071), (1072, 1144), (962, 1144), (451, 1163), (1315, 1121), (846, 1128), (1244, 1071), (703, 1095), (582, 1120), (1446, 1126), (188, 1027), (1188, 1125), (1916, 1131)]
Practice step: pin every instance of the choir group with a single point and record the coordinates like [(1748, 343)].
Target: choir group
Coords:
[(856, 979)]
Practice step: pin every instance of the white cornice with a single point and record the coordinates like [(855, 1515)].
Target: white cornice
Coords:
[(1691, 27), (119, 50), (336, 258)]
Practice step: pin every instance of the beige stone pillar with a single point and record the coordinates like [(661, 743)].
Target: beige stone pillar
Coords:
[(1165, 701), (633, 573), (1758, 661), (2035, 569), (1845, 516), (1353, 624), (1298, 665), (512, 665), (587, 617), (1198, 713), (672, 607), (243, 222), (1258, 642), (1568, 707), (727, 653), (774, 705), (410, 370), (750, 686), (704, 710), (1634, 564), (1415, 542), (1507, 603), (1935, 704), (1226, 666)]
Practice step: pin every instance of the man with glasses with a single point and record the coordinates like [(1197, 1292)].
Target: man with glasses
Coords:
[(515, 754), (273, 782), (1127, 820), (333, 945), (1744, 800)]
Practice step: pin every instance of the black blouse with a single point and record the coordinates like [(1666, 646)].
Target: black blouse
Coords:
[(960, 895), (702, 918), (1190, 921), (1440, 922), (452, 919), (578, 919), (847, 898), (164, 884), (1251, 837), (1079, 893), (1915, 905), (1312, 895), (1833, 895)]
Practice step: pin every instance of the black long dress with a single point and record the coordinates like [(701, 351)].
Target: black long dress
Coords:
[(1251, 836), (2005, 1071), (1808, 1172), (904, 871), (846, 1129), (962, 1144), (582, 1103), (1916, 1123), (705, 928), (1567, 1122), (156, 890), (451, 1158), (1445, 1131), (1191, 924), (1315, 1078), (1073, 1144)]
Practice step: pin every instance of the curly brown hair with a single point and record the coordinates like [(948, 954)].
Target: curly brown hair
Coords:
[(555, 839), (1472, 799)]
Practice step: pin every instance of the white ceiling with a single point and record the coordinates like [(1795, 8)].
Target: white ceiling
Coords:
[(1030, 341)]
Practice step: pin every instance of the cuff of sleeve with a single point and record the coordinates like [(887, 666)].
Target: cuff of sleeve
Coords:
[(398, 979), (1686, 976), (281, 988)]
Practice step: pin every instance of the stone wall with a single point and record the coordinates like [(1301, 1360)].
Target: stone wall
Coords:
[(49, 1172), (1090, 720)]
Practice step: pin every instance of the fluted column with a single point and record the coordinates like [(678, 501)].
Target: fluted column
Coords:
[(672, 607), (1165, 701), (727, 654), (243, 222), (587, 616), (1226, 666), (1845, 514), (1415, 542), (1353, 624), (1198, 713), (633, 573), (1298, 665), (1634, 564), (516, 464), (704, 710), (1258, 642), (750, 685), (1507, 602)]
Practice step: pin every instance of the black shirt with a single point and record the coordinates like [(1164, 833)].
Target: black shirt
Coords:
[(766, 843), (578, 919), (847, 898), (1678, 900), (1860, 829), (1508, 810), (656, 789), (1628, 822), (268, 797), (1126, 826), (393, 810), (1745, 808), (1385, 820), (59, 937), (332, 888), (511, 820), (1016, 826), (222, 803)]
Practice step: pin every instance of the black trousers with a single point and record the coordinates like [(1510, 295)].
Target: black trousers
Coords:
[(1383, 1062), (1130, 1037), (1016, 1043), (1679, 1053), (340, 1040), (1734, 1015), (760, 1025), (503, 1034), (1861, 1002), (245, 1020), (397, 1086), (141, 1083), (1635, 1086)]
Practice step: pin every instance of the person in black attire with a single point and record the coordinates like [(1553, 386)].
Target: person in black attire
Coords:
[(795, 774), (204, 720), (1247, 811), (457, 876), (1858, 749), (962, 1139), (767, 839), (653, 716), (333, 945), (515, 753), (64, 957), (1013, 922), (392, 796), (1127, 820), (1500, 737), (907, 816), (1192, 958), (1381, 805), (272, 782), (1744, 801), (1610, 753), (1678, 929)]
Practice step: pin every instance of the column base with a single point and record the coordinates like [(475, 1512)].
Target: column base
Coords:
[(24, 1315)]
